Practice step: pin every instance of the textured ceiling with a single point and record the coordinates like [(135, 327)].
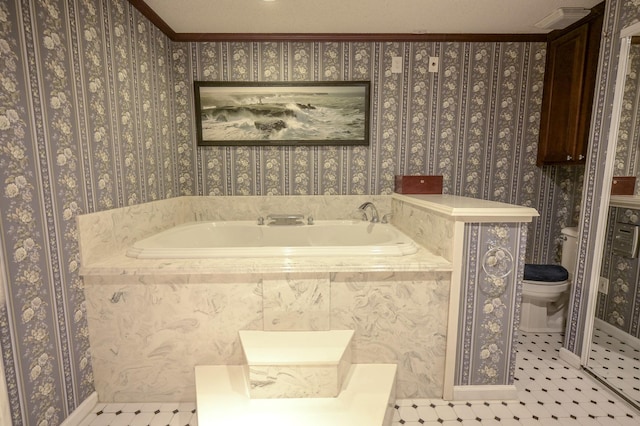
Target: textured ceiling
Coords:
[(359, 16)]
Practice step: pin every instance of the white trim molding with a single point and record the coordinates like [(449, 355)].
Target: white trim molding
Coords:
[(570, 358), (485, 393), (82, 411)]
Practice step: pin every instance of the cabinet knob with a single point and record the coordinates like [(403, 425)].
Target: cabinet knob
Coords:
[(569, 158), (580, 157)]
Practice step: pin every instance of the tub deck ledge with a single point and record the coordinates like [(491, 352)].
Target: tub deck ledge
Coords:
[(120, 264)]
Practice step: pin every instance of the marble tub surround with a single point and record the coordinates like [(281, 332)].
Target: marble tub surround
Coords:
[(105, 233), (320, 207), (146, 339), (177, 271), (297, 302), (428, 228), (430, 219), (447, 322), (398, 317)]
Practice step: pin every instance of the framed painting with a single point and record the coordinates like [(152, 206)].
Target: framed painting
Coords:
[(282, 113)]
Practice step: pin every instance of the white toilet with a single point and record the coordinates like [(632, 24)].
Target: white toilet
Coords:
[(545, 289)]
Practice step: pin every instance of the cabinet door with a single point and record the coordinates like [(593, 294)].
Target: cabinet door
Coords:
[(562, 100)]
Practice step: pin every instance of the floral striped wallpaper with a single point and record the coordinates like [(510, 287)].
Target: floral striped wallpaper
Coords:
[(627, 161), (96, 112)]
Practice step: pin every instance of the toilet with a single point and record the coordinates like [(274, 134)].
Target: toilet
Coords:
[(545, 289)]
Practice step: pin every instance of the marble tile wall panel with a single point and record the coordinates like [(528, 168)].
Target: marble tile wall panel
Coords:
[(428, 229), (294, 381), (146, 339), (398, 318), (296, 302), (321, 207), (139, 221), (103, 233), (95, 235)]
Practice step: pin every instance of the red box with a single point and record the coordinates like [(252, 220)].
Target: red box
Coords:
[(623, 185), (418, 184)]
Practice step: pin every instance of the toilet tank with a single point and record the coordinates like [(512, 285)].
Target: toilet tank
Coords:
[(569, 249)]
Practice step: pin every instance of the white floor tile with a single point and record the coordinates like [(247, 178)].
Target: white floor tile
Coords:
[(149, 407), (113, 408), (142, 419), (464, 412), (427, 413), (131, 407), (123, 419), (103, 419), (182, 418), (482, 411), (161, 419), (445, 412), (408, 413)]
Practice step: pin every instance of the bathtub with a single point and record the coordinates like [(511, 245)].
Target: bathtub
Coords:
[(248, 239)]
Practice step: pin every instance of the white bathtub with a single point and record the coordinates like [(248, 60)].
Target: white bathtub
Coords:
[(247, 239)]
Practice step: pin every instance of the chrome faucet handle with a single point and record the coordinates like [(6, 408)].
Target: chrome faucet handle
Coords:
[(387, 217), (261, 220), (310, 220)]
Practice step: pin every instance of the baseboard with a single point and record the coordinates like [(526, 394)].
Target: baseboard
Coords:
[(570, 358), (630, 340), (485, 393), (82, 411)]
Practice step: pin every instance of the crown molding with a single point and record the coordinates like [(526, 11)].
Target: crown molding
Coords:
[(155, 19), (354, 37)]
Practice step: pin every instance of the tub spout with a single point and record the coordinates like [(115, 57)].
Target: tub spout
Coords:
[(374, 211)]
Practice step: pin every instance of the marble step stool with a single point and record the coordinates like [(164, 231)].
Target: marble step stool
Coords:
[(296, 364), (367, 398)]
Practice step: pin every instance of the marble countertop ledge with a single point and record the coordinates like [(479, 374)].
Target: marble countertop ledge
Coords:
[(122, 265), (465, 209), (627, 201)]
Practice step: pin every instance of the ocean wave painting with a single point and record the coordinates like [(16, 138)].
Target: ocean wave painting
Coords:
[(263, 113)]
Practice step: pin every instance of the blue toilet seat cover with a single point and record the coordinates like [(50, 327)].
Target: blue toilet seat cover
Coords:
[(545, 273)]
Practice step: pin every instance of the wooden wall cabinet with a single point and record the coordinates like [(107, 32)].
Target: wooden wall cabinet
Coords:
[(569, 84)]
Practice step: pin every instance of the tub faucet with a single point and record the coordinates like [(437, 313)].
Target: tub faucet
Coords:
[(374, 211), (285, 219)]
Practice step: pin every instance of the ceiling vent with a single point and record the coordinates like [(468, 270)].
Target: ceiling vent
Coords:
[(562, 18)]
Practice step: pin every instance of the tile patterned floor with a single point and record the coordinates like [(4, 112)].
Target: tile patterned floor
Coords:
[(549, 392), (617, 362), (143, 414)]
